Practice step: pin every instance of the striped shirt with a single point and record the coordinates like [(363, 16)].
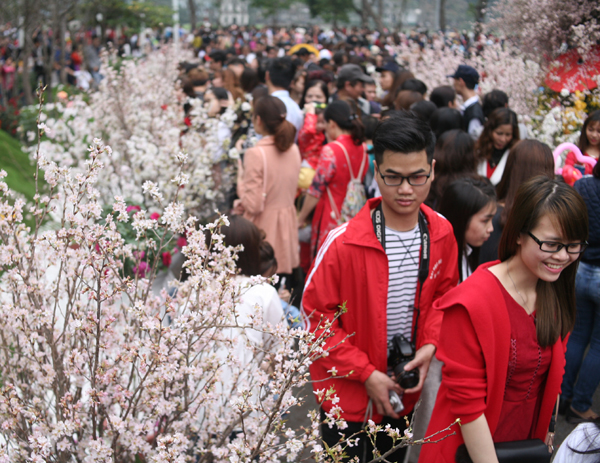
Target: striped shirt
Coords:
[(402, 249)]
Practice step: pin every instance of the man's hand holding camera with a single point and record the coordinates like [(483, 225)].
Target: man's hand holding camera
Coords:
[(379, 385)]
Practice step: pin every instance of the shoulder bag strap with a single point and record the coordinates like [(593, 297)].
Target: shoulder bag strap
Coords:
[(352, 177), (334, 209), (264, 194), (364, 161)]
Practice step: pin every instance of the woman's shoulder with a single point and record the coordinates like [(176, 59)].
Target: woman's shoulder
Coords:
[(253, 291), (476, 293)]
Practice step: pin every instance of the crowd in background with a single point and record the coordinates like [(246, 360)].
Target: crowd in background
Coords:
[(80, 65)]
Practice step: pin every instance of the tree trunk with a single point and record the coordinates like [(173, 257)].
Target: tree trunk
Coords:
[(192, 8), (402, 10), (26, 53), (442, 14), (63, 47), (480, 11), (364, 16), (371, 12)]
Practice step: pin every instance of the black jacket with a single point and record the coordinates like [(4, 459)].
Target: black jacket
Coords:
[(475, 111), (589, 188)]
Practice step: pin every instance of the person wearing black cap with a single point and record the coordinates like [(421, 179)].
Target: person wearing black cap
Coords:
[(388, 72), (465, 80), (351, 82)]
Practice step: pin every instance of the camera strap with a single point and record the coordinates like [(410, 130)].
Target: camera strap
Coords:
[(379, 228)]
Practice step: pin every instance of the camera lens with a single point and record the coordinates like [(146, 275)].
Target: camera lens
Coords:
[(409, 379)]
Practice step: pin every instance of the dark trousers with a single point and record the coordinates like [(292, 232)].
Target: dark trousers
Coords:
[(331, 436)]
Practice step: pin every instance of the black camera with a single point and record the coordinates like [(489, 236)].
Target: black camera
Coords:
[(400, 352)]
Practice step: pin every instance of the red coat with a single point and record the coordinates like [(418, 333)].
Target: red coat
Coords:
[(310, 141), (352, 267), (474, 347)]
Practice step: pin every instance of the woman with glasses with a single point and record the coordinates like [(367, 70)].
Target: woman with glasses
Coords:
[(578, 392), (343, 158), (504, 329)]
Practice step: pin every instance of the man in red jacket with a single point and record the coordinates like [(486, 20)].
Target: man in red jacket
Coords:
[(388, 264)]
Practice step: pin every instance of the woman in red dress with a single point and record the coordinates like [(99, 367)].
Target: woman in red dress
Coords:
[(504, 329), (311, 137), (344, 154)]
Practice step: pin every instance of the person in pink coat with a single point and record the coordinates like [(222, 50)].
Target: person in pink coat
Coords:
[(267, 181)]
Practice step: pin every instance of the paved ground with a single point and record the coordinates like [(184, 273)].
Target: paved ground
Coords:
[(298, 418)]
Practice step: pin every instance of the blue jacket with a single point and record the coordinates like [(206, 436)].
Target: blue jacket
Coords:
[(589, 188)]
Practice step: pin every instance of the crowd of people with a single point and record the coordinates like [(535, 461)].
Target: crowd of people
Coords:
[(462, 261), (331, 149), (81, 63)]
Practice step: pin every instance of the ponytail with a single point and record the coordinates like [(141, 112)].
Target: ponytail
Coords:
[(272, 112), (284, 135), (341, 113)]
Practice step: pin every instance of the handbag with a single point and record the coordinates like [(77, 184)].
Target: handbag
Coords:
[(518, 451)]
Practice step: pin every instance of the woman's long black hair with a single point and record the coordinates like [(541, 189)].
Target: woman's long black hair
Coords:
[(460, 201), (341, 113)]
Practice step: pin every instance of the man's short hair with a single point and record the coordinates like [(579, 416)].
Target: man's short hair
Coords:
[(281, 72), (403, 132), (218, 56), (302, 52), (236, 61), (414, 85), (494, 100), (443, 95)]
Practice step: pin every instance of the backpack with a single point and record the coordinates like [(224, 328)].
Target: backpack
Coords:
[(355, 197)]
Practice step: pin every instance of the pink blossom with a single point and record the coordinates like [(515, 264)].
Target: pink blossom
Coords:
[(141, 269), (155, 216), (166, 258), (133, 208), (181, 242)]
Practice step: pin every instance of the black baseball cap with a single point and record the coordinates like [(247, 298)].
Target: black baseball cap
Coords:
[(389, 65), (466, 73)]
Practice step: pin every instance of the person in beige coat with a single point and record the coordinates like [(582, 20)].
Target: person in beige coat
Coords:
[(267, 182)]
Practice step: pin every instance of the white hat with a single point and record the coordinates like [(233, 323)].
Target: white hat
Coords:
[(250, 58), (324, 54)]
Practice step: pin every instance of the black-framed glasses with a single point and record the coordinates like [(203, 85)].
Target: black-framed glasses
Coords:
[(397, 180), (554, 246)]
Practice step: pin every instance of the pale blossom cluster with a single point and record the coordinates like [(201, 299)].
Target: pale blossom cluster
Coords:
[(138, 109), (544, 28), (100, 367), (500, 65)]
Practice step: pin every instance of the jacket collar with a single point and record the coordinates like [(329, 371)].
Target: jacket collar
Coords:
[(266, 141), (360, 229)]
